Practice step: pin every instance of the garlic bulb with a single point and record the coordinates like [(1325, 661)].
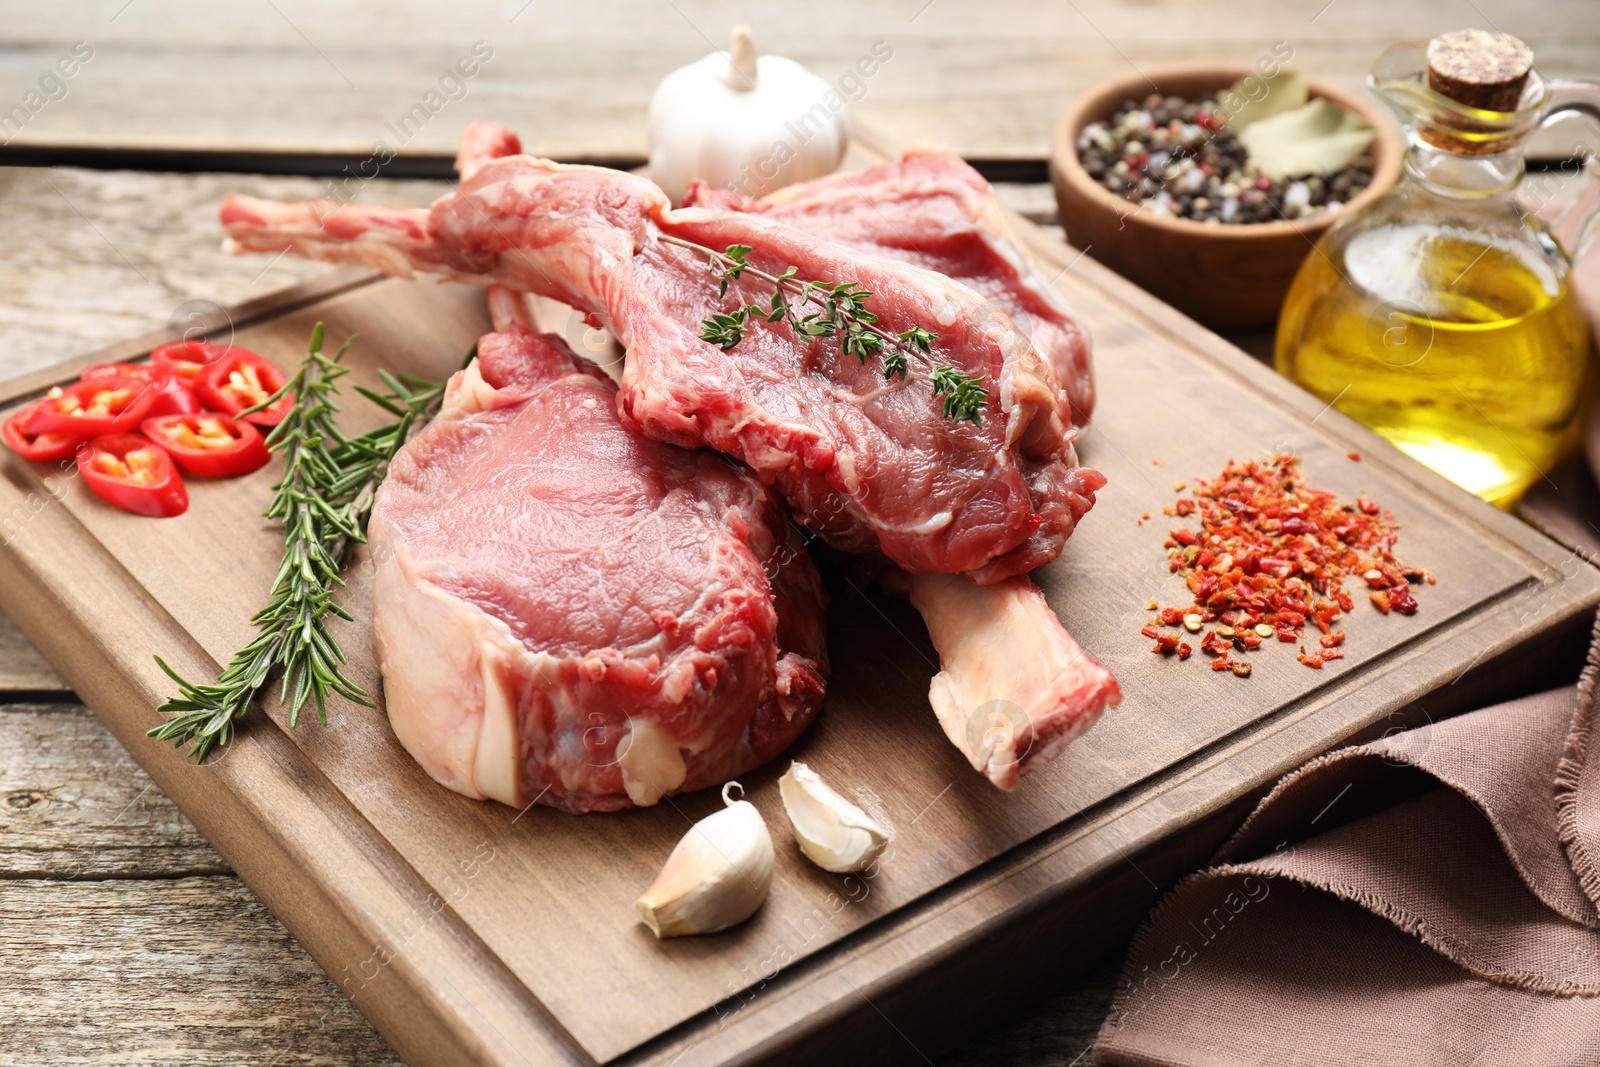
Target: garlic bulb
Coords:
[(716, 877), (744, 122), (833, 833)]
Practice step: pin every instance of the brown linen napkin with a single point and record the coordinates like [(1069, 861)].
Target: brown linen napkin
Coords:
[(1430, 898)]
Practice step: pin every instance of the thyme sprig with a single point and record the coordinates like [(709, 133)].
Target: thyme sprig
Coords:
[(323, 502), (841, 312)]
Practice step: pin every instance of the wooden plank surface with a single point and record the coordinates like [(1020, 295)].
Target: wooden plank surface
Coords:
[(1145, 373), (124, 937), (104, 255), (985, 77), (22, 669)]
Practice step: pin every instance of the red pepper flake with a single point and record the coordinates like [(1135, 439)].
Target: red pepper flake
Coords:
[(1165, 644), (1272, 552), (1184, 651), (1355, 457)]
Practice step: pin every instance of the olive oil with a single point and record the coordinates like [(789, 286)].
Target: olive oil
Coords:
[(1441, 314), (1463, 346)]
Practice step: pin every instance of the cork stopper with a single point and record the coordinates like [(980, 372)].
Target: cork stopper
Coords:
[(1479, 68)]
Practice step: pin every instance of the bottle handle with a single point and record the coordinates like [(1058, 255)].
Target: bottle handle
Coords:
[(1578, 223)]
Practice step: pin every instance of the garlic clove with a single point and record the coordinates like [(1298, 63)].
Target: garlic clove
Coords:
[(717, 875), (833, 833)]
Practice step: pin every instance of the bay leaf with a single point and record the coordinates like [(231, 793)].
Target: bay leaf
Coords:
[(1319, 137), (1256, 96)]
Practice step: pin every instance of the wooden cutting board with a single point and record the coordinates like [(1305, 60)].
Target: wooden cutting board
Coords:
[(472, 933)]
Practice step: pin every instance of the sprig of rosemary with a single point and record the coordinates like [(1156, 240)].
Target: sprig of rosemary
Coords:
[(842, 313), (323, 501)]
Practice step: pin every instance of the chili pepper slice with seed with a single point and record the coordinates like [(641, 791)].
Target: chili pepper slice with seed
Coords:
[(173, 395), (128, 471), (240, 380), (93, 407), (38, 447), (210, 445)]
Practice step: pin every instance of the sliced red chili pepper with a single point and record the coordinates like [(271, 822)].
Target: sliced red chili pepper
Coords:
[(94, 406), (210, 445), (240, 379), (128, 471), (174, 395), (187, 359), (38, 447)]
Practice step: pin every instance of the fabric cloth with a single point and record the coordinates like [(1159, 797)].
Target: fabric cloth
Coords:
[(1430, 898)]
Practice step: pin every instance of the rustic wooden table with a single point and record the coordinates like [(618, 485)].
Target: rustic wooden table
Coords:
[(124, 938)]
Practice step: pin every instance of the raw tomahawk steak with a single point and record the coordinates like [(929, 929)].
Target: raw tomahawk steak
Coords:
[(568, 612), (932, 210), (872, 465)]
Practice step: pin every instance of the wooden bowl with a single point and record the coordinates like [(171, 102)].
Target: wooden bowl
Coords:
[(1225, 276)]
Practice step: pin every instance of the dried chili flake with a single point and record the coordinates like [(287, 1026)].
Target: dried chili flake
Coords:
[(1271, 556)]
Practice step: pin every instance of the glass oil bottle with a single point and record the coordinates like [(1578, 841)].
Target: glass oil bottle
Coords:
[(1442, 315)]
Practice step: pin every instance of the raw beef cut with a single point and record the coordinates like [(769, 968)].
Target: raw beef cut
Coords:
[(932, 210), (872, 465), (1015, 687), (567, 612)]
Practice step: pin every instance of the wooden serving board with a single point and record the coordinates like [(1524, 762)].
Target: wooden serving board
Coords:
[(469, 932)]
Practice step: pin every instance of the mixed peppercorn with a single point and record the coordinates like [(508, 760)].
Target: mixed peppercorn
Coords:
[(1179, 158), (1271, 557)]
